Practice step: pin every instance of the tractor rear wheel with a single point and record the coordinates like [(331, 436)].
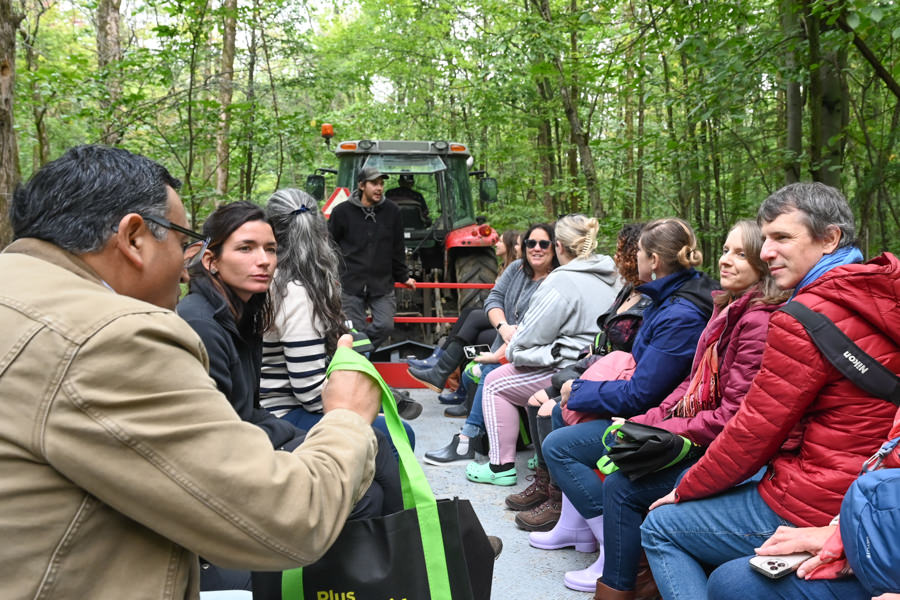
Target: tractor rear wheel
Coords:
[(475, 266)]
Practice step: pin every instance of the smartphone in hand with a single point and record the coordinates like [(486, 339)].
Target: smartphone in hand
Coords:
[(776, 567), (473, 351)]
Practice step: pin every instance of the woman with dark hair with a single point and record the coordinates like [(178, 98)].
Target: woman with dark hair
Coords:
[(229, 307), (472, 327), (505, 306)]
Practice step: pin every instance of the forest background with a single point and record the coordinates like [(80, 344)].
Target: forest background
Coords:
[(624, 109)]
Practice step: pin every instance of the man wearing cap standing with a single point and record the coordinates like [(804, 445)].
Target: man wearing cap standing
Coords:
[(368, 230)]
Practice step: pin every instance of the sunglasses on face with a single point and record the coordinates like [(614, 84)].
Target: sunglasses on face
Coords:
[(530, 244)]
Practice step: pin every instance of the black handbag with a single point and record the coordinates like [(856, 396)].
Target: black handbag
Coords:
[(639, 450), (433, 549)]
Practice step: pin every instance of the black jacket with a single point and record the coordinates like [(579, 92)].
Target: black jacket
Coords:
[(234, 362), (371, 243)]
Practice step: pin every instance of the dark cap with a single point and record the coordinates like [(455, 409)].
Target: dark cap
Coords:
[(368, 174)]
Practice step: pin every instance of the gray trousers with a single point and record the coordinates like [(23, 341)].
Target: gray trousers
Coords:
[(382, 308)]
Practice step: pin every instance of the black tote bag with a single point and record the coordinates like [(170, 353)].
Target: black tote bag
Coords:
[(431, 550)]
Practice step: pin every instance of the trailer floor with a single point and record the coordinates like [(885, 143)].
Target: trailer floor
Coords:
[(521, 572)]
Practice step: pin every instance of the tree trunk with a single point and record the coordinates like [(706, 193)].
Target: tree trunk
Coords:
[(40, 153), (793, 97), (226, 87), (109, 53), (9, 151), (827, 106)]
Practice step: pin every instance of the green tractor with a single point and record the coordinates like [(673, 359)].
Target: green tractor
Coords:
[(445, 241)]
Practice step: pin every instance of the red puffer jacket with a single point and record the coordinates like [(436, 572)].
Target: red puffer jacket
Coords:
[(839, 425)]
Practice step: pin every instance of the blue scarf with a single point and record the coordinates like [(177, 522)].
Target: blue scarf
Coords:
[(842, 256)]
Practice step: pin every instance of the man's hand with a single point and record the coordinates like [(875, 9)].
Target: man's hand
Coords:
[(410, 283), (667, 499), (546, 409), (351, 390)]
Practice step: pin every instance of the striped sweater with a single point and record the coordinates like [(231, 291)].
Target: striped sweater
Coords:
[(294, 359)]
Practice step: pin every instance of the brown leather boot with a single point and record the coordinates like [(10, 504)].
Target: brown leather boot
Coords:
[(645, 586), (534, 494), (544, 516), (604, 592)]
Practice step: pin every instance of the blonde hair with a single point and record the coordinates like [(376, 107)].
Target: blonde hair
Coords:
[(673, 241), (578, 235)]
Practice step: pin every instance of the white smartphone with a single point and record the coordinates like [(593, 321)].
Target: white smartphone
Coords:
[(776, 567), (473, 351)]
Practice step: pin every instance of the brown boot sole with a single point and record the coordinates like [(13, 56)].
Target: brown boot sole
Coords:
[(430, 386)]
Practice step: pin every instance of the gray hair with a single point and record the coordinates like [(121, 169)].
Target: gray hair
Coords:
[(822, 206), (306, 256), (77, 200), (578, 235)]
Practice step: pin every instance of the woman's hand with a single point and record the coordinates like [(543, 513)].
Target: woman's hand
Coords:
[(491, 357), (538, 398), (790, 540), (564, 392), (507, 331), (546, 409), (669, 498)]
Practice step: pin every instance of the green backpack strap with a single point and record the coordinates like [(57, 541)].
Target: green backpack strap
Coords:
[(416, 490)]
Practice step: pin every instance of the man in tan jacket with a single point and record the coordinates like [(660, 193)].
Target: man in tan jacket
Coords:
[(120, 461)]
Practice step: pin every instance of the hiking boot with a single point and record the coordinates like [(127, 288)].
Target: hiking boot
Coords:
[(408, 409), (496, 545), (534, 494), (544, 516)]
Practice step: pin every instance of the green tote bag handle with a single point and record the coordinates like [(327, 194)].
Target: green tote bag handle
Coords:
[(416, 490)]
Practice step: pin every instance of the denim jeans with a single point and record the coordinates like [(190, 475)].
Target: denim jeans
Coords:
[(680, 538), (735, 580), (625, 503), (571, 454), (303, 419), (475, 421)]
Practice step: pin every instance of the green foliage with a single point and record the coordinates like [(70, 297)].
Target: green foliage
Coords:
[(683, 102)]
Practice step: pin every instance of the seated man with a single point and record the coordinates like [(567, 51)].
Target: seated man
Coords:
[(801, 417), (120, 460), (404, 193)]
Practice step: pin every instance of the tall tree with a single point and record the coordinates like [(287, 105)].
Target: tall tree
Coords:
[(9, 150), (109, 55), (226, 88)]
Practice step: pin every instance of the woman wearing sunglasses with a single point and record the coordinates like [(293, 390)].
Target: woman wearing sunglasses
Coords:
[(505, 306), (561, 321)]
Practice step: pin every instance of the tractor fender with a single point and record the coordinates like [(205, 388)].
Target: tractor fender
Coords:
[(470, 236)]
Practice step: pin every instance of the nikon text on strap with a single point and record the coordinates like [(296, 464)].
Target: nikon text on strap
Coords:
[(867, 373)]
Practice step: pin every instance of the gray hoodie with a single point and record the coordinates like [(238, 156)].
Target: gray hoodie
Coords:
[(561, 319)]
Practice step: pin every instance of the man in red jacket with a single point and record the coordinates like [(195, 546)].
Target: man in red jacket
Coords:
[(801, 417)]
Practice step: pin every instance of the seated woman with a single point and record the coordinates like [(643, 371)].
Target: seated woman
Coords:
[(540, 503), (505, 305), (472, 327), (560, 321), (229, 307), (663, 351), (307, 317), (728, 357)]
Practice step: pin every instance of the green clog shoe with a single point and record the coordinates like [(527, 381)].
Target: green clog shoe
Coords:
[(532, 462), (481, 473)]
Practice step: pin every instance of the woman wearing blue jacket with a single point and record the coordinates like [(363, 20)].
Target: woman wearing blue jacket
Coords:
[(663, 352)]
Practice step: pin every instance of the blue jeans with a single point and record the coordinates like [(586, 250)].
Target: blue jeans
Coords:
[(625, 503), (571, 454), (735, 580), (303, 419), (475, 421), (680, 538)]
